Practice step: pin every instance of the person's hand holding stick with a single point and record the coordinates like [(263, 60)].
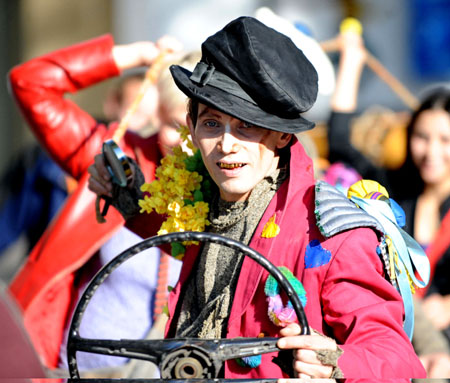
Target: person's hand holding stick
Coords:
[(351, 25)]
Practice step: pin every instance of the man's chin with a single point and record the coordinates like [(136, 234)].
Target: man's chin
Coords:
[(229, 193)]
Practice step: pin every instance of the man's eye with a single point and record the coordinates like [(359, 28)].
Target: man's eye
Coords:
[(210, 124), (247, 128)]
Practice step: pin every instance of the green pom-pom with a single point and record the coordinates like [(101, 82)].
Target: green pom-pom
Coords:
[(272, 288)]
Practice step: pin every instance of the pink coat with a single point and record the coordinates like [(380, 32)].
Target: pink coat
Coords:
[(348, 297)]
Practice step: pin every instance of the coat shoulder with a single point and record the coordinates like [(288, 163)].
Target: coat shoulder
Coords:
[(335, 213)]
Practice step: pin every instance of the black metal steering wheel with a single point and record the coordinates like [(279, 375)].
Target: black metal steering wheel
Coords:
[(185, 358)]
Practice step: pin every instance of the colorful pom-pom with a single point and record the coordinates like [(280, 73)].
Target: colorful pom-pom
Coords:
[(280, 314), (363, 188)]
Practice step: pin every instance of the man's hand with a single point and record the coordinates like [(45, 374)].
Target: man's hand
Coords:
[(306, 363), (100, 181)]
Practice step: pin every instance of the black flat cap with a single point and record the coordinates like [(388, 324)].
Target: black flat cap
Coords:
[(253, 73)]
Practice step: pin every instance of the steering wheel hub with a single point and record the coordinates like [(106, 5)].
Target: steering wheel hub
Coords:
[(188, 363)]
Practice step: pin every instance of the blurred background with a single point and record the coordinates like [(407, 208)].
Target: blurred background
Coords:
[(411, 38)]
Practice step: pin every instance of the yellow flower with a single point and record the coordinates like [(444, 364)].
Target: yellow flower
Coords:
[(271, 229), (178, 225), (197, 224), (185, 136), (202, 208), (174, 207), (184, 132), (187, 213), (172, 187)]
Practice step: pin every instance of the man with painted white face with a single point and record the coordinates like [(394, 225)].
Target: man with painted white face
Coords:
[(247, 96)]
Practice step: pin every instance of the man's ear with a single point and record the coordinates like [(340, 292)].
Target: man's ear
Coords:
[(191, 129), (283, 140)]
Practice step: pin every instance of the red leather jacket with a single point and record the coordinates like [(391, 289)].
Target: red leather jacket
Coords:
[(44, 286)]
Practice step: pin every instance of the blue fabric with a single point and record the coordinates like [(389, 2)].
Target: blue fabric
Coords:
[(316, 255), (34, 189), (399, 213), (412, 258), (249, 361)]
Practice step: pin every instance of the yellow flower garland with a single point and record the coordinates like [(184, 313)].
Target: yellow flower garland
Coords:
[(178, 192)]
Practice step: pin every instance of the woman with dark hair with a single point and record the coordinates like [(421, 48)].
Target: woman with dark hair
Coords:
[(421, 185)]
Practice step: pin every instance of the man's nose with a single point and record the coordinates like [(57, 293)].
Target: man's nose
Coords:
[(228, 142)]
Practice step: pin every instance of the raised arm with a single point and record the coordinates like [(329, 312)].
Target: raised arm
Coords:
[(68, 133), (344, 103), (71, 135)]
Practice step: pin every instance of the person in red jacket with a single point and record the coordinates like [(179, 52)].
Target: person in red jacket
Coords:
[(47, 285), (247, 96)]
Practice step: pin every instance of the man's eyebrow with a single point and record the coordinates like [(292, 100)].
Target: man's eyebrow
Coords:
[(207, 111)]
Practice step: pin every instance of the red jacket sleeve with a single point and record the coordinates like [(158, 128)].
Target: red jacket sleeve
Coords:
[(366, 313), (70, 135)]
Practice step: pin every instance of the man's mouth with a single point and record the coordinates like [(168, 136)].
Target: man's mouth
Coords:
[(224, 165)]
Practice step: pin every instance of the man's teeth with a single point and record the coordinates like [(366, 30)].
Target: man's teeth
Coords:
[(230, 166)]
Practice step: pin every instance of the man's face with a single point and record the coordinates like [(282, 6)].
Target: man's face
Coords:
[(237, 155)]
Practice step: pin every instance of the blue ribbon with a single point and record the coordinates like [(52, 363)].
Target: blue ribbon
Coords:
[(411, 255)]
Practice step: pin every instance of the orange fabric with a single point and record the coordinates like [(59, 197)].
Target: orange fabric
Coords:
[(161, 289)]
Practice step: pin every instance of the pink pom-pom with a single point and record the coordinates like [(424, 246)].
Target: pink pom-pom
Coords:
[(286, 317), (275, 305), (278, 314)]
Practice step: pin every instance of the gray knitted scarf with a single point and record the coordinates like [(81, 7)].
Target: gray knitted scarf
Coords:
[(210, 290)]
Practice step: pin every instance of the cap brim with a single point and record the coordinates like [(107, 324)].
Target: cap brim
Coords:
[(236, 106)]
